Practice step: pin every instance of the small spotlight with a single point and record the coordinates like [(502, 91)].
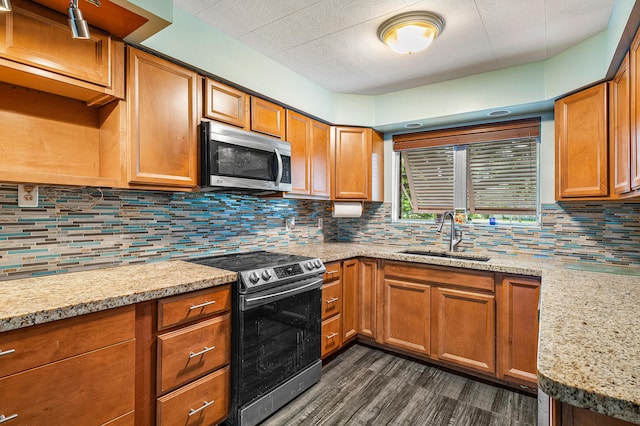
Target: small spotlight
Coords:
[(79, 27), (5, 6)]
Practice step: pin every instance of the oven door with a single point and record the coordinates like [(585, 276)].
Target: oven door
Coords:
[(279, 336)]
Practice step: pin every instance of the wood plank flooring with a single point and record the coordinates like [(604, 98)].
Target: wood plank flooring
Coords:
[(365, 386)]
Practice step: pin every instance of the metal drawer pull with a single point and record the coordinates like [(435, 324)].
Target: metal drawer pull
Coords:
[(4, 418), (331, 336), (204, 405), (202, 352), (335, 299), (202, 305), (10, 351)]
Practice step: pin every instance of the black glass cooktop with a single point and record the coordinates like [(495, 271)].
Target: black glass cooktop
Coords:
[(241, 262)]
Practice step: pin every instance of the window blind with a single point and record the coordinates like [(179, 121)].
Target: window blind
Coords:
[(502, 177), (430, 179)]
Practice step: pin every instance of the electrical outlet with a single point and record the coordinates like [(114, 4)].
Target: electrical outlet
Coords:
[(320, 223), (290, 223), (27, 196)]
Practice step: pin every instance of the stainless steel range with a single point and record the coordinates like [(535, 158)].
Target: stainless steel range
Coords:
[(276, 339)]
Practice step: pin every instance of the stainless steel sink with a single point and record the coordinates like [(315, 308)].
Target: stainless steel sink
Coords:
[(447, 255)]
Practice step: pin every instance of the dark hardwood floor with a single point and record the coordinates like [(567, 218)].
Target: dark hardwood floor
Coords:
[(365, 386)]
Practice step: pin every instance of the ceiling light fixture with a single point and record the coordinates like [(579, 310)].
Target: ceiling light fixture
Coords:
[(410, 32), (79, 27), (5, 6)]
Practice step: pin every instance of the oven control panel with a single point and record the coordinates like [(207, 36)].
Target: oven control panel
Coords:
[(256, 278)]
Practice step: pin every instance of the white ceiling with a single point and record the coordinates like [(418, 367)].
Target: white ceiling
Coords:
[(334, 42)]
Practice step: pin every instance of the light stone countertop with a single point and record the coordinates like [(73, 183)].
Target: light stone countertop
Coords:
[(30, 301), (589, 338)]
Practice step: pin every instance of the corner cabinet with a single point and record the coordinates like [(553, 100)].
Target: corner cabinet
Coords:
[(367, 296), (163, 119), (357, 172), (582, 154)]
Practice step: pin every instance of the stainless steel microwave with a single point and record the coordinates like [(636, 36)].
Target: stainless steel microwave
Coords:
[(233, 158)]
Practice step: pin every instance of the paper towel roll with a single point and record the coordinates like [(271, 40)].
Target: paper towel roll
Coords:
[(347, 209)]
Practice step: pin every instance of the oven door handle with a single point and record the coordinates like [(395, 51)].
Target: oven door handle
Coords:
[(272, 297)]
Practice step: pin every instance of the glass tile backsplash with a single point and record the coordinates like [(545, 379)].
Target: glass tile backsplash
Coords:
[(67, 232)]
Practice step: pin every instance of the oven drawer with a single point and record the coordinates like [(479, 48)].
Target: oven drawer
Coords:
[(331, 299), (331, 334), (192, 351), (203, 402), (193, 306)]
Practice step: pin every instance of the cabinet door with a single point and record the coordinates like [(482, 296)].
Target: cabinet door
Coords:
[(464, 328), (368, 272), (41, 54), (518, 329), (351, 152), (267, 118), (162, 121), (92, 388), (634, 74), (620, 144), (298, 133), (581, 144), (225, 103), (320, 159), (350, 299), (405, 311), (576, 416)]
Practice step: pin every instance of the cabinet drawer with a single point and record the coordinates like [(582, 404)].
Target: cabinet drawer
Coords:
[(481, 280), (45, 343), (93, 388), (193, 351), (331, 334), (203, 402), (193, 306), (333, 272), (331, 299)]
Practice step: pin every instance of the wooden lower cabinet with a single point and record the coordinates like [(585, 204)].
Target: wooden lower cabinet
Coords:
[(570, 415), (203, 402), (349, 300), (463, 327), (74, 371), (331, 335), (406, 311), (367, 285), (518, 329)]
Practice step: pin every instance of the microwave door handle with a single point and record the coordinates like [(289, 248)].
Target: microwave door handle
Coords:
[(279, 157)]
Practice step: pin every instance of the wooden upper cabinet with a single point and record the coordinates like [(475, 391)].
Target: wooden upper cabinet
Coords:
[(582, 144), (38, 52), (320, 159), (225, 103), (620, 142), (358, 164), (163, 119), (517, 326), (267, 118), (309, 155), (634, 82)]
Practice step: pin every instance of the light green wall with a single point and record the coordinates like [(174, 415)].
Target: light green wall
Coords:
[(192, 41)]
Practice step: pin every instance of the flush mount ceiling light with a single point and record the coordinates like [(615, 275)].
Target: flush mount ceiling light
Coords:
[(79, 27), (410, 32), (5, 6)]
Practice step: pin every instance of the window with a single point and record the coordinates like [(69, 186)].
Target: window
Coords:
[(489, 171)]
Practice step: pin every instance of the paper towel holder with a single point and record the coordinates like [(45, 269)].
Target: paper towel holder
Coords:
[(347, 209)]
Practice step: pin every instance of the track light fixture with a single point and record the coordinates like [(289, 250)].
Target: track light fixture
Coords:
[(5, 6), (79, 27)]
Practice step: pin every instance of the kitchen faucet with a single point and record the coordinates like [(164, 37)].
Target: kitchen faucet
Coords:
[(456, 236)]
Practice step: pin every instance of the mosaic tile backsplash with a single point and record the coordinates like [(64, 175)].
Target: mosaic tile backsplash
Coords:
[(592, 232), (142, 226)]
